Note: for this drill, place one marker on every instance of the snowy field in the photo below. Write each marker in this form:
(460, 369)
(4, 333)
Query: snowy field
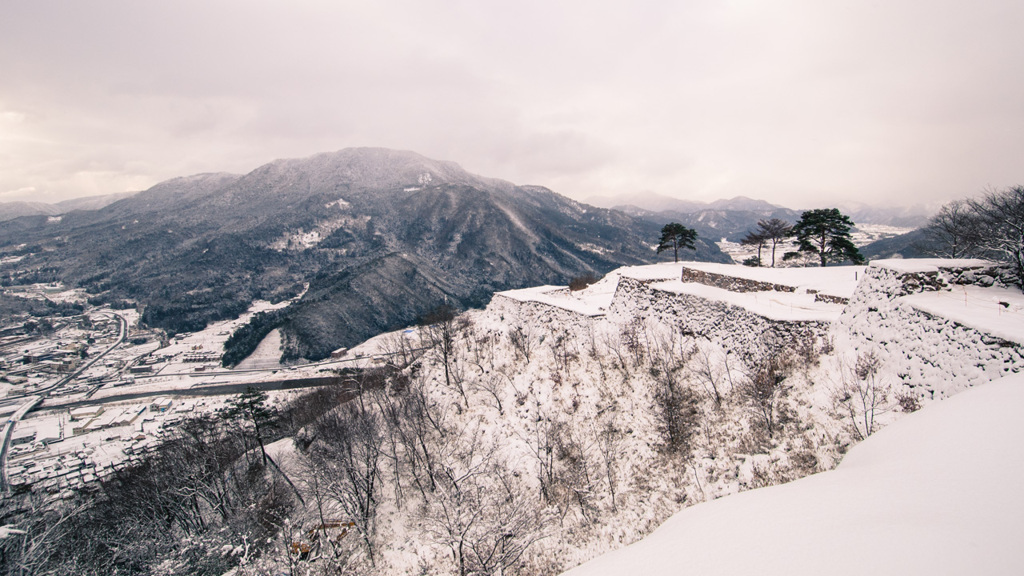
(935, 493)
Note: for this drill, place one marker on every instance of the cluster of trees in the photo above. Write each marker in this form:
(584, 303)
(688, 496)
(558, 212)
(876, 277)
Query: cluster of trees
(203, 502)
(245, 339)
(15, 306)
(990, 226)
(823, 234)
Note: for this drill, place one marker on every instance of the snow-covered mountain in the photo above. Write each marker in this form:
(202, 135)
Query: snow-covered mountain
(11, 210)
(380, 237)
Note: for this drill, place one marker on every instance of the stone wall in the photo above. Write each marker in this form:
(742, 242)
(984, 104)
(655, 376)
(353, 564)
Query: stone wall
(731, 283)
(934, 356)
(734, 328)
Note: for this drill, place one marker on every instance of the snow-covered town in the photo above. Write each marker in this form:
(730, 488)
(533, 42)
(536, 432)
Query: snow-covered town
(94, 392)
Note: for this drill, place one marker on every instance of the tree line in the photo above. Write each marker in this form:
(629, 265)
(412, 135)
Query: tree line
(990, 226)
(822, 234)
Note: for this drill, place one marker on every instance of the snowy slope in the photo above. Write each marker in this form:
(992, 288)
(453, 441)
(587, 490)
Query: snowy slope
(935, 493)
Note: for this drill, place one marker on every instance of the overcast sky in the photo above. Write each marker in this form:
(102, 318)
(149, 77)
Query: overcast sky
(799, 102)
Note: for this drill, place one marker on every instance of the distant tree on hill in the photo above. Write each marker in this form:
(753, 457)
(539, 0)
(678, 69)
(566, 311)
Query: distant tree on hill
(754, 238)
(675, 236)
(825, 233)
(775, 231)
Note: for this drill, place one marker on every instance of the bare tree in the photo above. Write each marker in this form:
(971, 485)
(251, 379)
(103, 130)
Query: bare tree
(956, 231)
(764, 389)
(479, 511)
(521, 337)
(707, 372)
(347, 454)
(754, 238)
(1002, 215)
(775, 231)
(442, 327)
(675, 403)
(862, 394)
(397, 348)
(609, 439)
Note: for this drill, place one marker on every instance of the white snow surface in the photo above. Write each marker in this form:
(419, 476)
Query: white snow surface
(929, 264)
(996, 311)
(267, 354)
(585, 302)
(934, 493)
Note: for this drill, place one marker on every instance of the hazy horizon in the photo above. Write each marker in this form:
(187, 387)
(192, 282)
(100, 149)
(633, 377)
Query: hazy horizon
(798, 103)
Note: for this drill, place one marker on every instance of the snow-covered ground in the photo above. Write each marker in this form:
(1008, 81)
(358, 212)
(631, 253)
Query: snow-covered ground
(267, 354)
(935, 493)
(996, 311)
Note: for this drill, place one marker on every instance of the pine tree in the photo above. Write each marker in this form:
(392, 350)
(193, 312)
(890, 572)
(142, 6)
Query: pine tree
(755, 238)
(826, 233)
(676, 236)
(775, 231)
(251, 407)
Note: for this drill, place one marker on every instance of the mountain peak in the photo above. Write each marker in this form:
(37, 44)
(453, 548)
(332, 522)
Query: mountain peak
(379, 168)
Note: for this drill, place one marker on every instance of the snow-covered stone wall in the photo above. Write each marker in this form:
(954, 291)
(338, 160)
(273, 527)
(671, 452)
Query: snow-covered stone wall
(932, 354)
(731, 283)
(732, 327)
(528, 313)
(911, 313)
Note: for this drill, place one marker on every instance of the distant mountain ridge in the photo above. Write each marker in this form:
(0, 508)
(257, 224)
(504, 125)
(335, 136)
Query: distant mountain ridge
(380, 237)
(735, 216)
(12, 210)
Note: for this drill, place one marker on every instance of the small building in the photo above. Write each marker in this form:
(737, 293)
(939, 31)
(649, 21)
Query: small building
(141, 369)
(86, 412)
(339, 353)
(161, 405)
(23, 436)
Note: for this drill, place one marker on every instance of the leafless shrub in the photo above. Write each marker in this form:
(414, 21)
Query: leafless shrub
(712, 375)
(764, 388)
(481, 512)
(522, 339)
(862, 394)
(908, 401)
(346, 456)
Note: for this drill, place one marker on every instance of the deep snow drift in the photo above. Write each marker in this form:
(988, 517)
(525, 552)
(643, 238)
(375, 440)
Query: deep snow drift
(936, 493)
